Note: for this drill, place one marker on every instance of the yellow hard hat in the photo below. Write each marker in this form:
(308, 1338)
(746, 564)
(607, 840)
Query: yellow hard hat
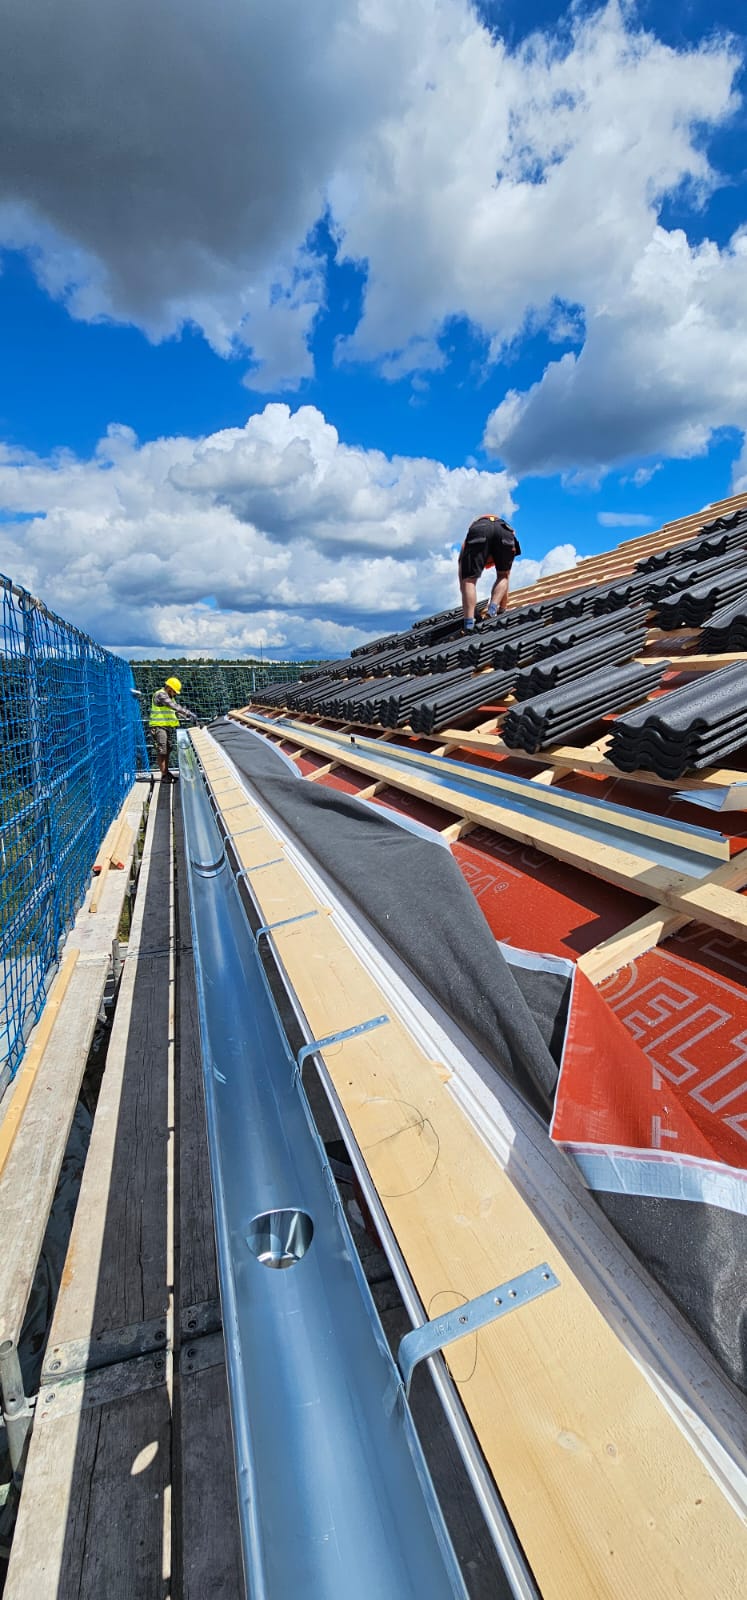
(175, 684)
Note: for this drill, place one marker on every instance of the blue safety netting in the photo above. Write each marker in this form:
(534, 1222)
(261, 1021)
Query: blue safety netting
(71, 743)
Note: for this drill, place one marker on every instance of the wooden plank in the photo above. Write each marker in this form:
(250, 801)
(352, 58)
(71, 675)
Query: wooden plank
(17, 1098)
(455, 830)
(31, 1171)
(648, 931)
(121, 855)
(608, 1497)
(94, 1516)
(694, 663)
(209, 1536)
(94, 935)
(321, 772)
(197, 1276)
(116, 1270)
(103, 854)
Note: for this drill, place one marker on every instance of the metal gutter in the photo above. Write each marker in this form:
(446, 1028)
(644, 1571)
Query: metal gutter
(334, 1493)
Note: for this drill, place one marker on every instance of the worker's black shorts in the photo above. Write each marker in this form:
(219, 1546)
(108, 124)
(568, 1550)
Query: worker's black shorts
(480, 548)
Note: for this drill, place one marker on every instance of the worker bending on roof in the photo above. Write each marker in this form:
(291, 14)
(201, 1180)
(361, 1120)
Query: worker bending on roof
(165, 712)
(490, 542)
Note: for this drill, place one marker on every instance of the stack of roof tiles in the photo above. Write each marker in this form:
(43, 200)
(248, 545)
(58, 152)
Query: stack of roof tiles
(446, 703)
(309, 697)
(548, 718)
(705, 547)
(727, 628)
(710, 585)
(274, 694)
(690, 728)
(589, 657)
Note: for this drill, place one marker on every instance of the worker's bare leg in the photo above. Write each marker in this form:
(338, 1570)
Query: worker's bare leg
(469, 597)
(499, 592)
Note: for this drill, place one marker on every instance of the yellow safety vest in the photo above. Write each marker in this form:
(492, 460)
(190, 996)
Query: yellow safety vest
(162, 716)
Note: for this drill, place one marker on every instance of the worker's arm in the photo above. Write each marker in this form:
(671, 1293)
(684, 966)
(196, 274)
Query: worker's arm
(163, 698)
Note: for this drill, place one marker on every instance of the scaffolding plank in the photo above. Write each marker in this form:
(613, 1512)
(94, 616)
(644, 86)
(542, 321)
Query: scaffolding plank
(25, 1078)
(116, 1268)
(31, 1171)
(211, 1552)
(94, 1514)
(198, 1275)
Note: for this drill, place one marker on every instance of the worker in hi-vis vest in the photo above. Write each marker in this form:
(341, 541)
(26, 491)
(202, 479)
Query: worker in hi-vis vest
(165, 712)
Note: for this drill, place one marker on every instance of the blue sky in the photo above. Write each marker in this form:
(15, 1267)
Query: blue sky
(472, 260)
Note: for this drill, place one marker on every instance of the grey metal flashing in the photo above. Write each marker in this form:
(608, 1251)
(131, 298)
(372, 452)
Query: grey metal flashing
(333, 1490)
(17, 1409)
(497, 1520)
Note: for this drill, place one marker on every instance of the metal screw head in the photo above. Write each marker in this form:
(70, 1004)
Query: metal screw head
(192, 1322)
(190, 1353)
(160, 1336)
(462, 1319)
(54, 1366)
(48, 1399)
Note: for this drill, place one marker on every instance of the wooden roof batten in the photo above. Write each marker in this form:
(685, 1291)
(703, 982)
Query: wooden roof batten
(620, 561)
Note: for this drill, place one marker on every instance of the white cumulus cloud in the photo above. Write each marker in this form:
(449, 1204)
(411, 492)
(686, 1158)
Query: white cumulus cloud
(560, 559)
(275, 534)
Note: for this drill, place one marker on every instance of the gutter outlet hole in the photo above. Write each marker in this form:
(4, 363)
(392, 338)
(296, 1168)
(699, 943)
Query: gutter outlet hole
(280, 1238)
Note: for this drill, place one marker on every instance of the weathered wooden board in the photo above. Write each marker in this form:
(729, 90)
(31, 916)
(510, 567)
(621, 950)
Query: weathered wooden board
(95, 1516)
(209, 1535)
(197, 1275)
(31, 1171)
(116, 1271)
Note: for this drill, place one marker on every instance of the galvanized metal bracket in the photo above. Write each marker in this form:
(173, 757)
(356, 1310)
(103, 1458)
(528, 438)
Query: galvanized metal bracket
(269, 927)
(335, 1038)
(474, 1314)
(245, 871)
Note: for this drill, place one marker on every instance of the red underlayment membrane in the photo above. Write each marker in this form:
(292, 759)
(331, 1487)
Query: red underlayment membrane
(645, 1084)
